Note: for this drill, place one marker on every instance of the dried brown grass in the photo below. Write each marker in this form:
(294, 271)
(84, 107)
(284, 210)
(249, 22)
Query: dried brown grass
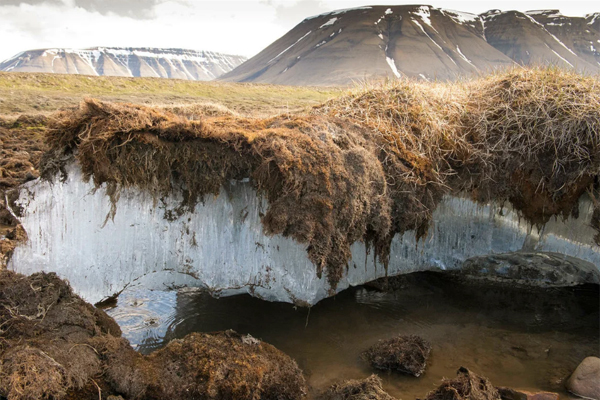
(531, 136)
(366, 389)
(196, 111)
(361, 167)
(29, 374)
(466, 386)
(21, 146)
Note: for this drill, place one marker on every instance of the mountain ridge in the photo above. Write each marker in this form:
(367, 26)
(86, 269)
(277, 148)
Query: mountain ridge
(125, 61)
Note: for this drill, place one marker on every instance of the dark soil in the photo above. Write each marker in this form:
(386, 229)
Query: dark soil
(596, 220)
(366, 389)
(466, 386)
(56, 346)
(407, 354)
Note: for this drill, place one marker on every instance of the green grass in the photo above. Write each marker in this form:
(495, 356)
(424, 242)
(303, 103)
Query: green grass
(27, 93)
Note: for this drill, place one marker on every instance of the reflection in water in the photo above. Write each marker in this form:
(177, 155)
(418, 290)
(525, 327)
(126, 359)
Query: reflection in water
(145, 316)
(520, 338)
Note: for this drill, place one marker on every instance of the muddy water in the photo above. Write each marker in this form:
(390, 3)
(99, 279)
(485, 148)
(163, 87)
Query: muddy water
(528, 339)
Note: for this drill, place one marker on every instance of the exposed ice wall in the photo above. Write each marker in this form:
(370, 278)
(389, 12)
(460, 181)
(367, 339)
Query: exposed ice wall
(221, 245)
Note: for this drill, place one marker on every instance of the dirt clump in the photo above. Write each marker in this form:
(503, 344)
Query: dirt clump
(404, 353)
(224, 365)
(45, 330)
(516, 394)
(10, 236)
(366, 389)
(466, 386)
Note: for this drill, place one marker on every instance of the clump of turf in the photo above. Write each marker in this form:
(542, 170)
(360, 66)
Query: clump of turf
(224, 365)
(45, 330)
(365, 389)
(466, 386)
(530, 136)
(540, 131)
(363, 167)
(406, 354)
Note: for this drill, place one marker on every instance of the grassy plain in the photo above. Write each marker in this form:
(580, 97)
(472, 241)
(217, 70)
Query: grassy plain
(28, 93)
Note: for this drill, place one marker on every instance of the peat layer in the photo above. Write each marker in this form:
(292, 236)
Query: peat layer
(365, 166)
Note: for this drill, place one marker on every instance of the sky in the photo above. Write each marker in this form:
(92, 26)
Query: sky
(241, 27)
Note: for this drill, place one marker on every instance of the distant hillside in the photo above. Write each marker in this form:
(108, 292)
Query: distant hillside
(131, 62)
(421, 41)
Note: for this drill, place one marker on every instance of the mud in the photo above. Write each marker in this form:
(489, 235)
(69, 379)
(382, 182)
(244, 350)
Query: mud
(530, 269)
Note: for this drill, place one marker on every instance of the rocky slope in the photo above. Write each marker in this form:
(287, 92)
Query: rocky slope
(113, 61)
(421, 41)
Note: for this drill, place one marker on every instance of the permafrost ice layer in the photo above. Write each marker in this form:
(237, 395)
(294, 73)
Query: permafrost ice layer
(221, 246)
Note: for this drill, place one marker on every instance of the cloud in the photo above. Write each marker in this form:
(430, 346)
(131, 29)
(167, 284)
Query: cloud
(138, 9)
(291, 13)
(30, 2)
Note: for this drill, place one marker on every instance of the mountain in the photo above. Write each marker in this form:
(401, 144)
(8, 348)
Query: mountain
(545, 37)
(421, 41)
(115, 61)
